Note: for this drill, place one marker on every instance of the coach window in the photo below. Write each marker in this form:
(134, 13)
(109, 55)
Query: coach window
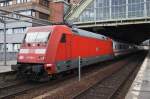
(63, 38)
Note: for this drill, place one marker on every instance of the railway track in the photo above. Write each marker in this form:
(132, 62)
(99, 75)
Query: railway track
(110, 86)
(7, 76)
(20, 87)
(29, 90)
(9, 84)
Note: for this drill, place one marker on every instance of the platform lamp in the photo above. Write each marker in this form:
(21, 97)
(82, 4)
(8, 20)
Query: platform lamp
(4, 22)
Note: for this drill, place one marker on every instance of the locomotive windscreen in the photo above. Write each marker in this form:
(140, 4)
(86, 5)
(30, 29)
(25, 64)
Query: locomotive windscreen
(37, 37)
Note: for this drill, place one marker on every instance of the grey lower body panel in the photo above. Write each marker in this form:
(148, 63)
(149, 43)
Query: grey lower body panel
(72, 64)
(120, 53)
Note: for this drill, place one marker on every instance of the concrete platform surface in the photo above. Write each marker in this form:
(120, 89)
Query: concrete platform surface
(6, 68)
(140, 89)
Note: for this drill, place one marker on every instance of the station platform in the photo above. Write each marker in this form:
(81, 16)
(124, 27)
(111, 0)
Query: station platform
(140, 88)
(6, 68)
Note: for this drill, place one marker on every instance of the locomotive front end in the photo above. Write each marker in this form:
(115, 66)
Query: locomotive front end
(31, 57)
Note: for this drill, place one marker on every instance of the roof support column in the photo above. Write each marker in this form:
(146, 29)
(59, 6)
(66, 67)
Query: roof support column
(126, 8)
(2, 20)
(145, 9)
(110, 3)
(95, 11)
(5, 46)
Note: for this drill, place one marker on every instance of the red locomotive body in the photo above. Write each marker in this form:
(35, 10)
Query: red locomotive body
(54, 49)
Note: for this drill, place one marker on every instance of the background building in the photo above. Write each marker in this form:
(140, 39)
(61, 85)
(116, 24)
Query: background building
(52, 10)
(58, 9)
(16, 29)
(107, 10)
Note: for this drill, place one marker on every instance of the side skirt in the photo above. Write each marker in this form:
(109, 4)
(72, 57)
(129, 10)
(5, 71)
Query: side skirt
(72, 64)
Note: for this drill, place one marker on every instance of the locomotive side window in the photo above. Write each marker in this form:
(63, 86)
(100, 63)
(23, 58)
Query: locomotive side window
(63, 38)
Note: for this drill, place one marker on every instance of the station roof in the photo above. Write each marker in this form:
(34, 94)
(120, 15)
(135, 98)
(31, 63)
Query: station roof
(135, 33)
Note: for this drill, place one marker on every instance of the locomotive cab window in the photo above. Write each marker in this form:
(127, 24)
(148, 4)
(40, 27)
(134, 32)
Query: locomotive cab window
(63, 38)
(37, 37)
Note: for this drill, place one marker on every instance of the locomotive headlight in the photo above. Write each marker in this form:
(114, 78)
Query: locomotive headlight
(48, 65)
(49, 68)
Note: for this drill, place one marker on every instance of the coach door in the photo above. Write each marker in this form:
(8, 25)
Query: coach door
(67, 42)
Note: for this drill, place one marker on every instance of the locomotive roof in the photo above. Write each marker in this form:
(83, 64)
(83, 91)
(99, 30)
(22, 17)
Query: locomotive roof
(89, 34)
(75, 30)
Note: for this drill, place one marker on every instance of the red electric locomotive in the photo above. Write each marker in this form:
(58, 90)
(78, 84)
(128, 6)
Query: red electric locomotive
(49, 50)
